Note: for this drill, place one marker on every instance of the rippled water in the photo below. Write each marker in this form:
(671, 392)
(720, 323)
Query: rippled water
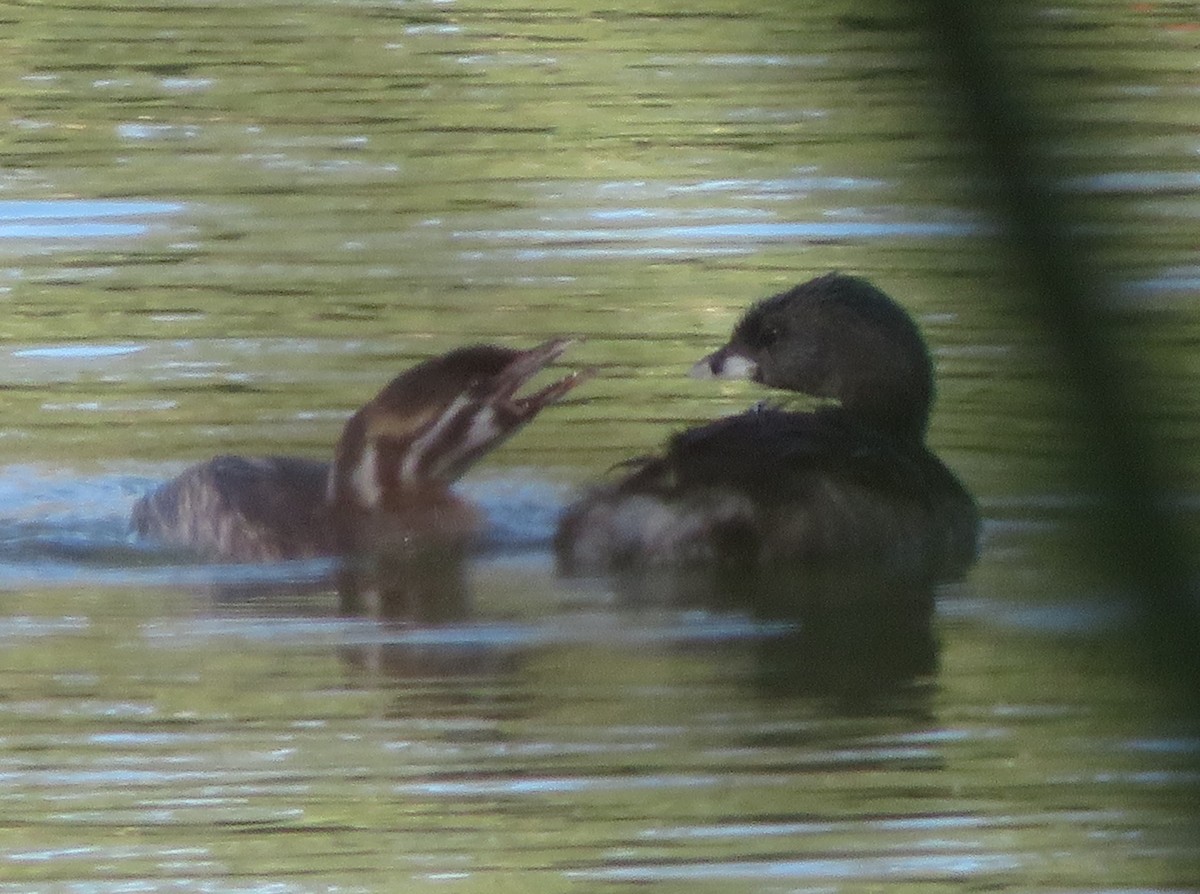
(223, 226)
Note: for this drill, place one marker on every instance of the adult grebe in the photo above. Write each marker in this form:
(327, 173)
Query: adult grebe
(850, 483)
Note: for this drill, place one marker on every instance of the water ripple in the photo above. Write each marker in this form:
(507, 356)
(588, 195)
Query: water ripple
(81, 219)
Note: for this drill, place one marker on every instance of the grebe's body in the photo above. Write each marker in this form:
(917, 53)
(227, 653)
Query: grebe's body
(847, 484)
(390, 482)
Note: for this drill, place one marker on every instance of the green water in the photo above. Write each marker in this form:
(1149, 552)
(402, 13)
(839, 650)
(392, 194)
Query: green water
(224, 225)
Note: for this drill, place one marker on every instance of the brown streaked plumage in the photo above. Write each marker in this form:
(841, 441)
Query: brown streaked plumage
(851, 483)
(390, 480)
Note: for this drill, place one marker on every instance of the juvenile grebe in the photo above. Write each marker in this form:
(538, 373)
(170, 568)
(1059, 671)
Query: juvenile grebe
(391, 475)
(850, 483)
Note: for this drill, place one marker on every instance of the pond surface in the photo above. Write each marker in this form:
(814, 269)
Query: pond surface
(224, 225)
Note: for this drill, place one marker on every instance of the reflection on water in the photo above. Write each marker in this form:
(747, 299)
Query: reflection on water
(824, 728)
(717, 238)
(225, 226)
(70, 220)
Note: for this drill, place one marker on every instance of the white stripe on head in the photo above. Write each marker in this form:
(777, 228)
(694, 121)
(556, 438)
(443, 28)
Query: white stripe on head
(484, 430)
(414, 457)
(364, 480)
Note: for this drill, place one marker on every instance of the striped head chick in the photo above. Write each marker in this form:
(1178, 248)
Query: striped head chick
(399, 454)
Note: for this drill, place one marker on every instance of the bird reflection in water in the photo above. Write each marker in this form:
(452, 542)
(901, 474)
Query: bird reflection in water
(857, 637)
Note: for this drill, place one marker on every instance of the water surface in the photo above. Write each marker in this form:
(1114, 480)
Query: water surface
(223, 226)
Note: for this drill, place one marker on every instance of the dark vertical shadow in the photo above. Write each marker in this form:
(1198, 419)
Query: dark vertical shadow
(413, 583)
(993, 102)
(858, 636)
(861, 637)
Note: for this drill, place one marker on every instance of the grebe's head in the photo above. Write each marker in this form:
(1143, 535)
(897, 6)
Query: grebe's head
(839, 337)
(431, 423)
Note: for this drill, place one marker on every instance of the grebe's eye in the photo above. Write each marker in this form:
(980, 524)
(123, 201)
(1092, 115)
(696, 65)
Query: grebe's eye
(768, 335)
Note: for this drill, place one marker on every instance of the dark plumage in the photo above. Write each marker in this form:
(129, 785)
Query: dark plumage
(847, 483)
(245, 509)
